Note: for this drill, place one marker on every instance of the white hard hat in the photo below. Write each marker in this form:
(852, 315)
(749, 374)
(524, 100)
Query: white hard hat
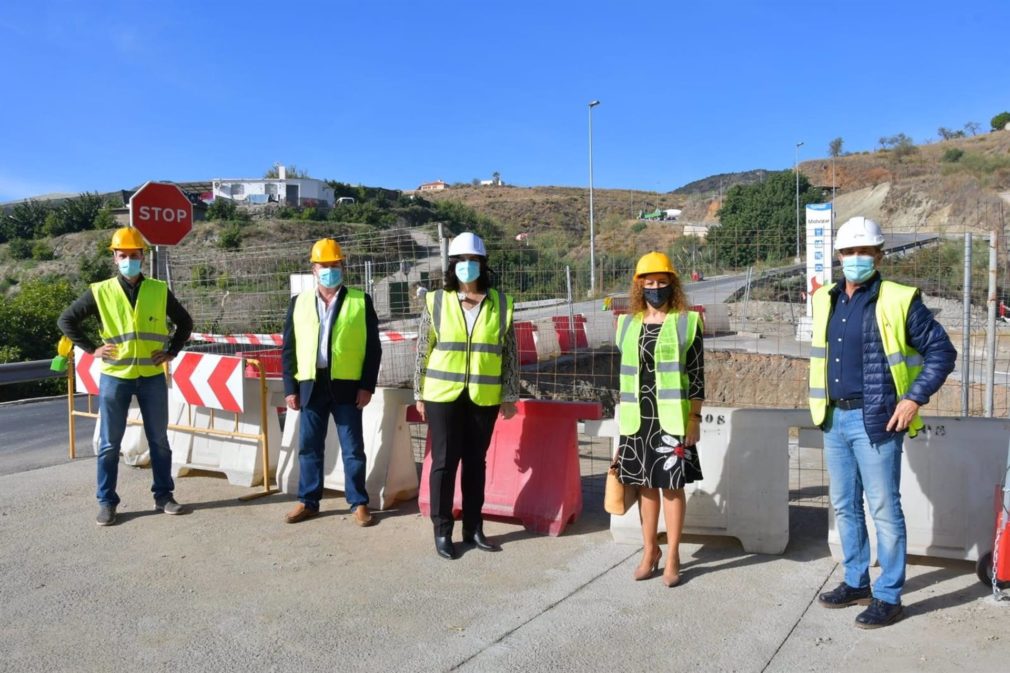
(467, 243)
(858, 232)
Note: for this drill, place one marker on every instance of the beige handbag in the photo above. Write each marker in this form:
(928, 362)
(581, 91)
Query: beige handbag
(618, 497)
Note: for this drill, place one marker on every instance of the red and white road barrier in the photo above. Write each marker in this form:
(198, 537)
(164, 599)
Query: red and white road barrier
(87, 372)
(278, 339)
(213, 381)
(252, 339)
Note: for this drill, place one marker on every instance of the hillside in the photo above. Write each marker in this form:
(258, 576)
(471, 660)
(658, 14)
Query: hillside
(954, 185)
(559, 216)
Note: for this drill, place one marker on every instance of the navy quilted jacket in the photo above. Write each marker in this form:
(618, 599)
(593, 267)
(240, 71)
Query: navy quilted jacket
(925, 335)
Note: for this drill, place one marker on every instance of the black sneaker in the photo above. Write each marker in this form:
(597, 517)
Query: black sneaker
(843, 596)
(880, 613)
(169, 506)
(106, 515)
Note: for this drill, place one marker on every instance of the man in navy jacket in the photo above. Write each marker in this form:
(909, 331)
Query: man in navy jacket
(877, 355)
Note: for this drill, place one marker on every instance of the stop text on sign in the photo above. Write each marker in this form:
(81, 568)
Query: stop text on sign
(163, 214)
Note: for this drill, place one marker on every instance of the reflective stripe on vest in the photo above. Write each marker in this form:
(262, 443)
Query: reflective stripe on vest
(137, 331)
(891, 312)
(675, 338)
(456, 361)
(347, 338)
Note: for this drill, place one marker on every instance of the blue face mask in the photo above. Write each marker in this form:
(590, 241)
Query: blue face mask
(331, 277)
(857, 268)
(467, 271)
(129, 267)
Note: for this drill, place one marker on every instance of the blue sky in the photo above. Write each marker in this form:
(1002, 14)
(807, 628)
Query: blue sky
(106, 95)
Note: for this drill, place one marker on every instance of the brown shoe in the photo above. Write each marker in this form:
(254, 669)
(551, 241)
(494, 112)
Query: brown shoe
(301, 513)
(362, 516)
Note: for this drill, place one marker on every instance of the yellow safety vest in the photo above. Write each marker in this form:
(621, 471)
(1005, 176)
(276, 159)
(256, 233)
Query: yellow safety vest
(457, 360)
(347, 339)
(905, 362)
(137, 331)
(675, 338)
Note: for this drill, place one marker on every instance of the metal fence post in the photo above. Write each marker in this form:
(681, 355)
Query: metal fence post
(966, 327)
(990, 333)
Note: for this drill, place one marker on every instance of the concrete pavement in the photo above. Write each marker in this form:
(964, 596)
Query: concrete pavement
(231, 587)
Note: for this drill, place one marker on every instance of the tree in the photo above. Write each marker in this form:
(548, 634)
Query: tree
(290, 172)
(947, 134)
(25, 220)
(903, 146)
(758, 222)
(835, 147)
(972, 127)
(1000, 121)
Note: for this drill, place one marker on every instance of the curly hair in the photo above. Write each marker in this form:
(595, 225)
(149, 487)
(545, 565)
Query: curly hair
(676, 302)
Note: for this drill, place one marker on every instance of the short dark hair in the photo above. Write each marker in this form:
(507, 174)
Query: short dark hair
(452, 283)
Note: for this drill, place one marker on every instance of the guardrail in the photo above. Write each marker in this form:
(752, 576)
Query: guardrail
(23, 372)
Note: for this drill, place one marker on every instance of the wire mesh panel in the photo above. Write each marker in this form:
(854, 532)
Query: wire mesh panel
(565, 337)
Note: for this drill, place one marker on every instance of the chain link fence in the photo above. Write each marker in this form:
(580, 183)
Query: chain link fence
(565, 336)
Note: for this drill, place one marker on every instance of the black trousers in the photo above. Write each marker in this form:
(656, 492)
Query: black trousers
(460, 431)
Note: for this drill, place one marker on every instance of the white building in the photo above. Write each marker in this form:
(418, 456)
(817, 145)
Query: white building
(282, 189)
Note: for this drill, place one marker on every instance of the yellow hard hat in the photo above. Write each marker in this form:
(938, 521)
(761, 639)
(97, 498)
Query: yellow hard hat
(127, 238)
(654, 262)
(326, 250)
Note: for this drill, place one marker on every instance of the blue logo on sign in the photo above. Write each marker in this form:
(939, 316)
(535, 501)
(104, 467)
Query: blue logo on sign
(818, 232)
(818, 267)
(819, 254)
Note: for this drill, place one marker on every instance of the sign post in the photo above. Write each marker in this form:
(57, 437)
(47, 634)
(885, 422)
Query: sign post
(820, 218)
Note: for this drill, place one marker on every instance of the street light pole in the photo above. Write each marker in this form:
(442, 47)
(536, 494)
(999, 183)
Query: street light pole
(592, 227)
(796, 170)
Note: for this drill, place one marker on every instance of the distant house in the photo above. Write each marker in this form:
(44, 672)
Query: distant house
(436, 186)
(282, 189)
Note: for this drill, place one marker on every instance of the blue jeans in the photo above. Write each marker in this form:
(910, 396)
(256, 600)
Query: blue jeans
(114, 395)
(857, 466)
(312, 435)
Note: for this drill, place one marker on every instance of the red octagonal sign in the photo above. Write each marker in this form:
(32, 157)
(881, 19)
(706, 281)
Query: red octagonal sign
(161, 212)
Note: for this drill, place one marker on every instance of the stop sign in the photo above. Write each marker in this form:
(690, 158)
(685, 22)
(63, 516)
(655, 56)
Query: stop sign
(161, 212)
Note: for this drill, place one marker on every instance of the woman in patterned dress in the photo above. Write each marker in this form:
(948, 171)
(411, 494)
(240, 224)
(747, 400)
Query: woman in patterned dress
(662, 390)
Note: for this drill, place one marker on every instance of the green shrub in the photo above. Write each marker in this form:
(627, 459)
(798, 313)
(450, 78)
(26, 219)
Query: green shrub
(105, 219)
(230, 237)
(222, 209)
(952, 155)
(42, 251)
(638, 227)
(95, 267)
(20, 248)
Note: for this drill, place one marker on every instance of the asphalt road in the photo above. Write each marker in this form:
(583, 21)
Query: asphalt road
(35, 434)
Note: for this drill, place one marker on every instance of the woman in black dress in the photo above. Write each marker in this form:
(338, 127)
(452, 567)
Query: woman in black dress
(662, 390)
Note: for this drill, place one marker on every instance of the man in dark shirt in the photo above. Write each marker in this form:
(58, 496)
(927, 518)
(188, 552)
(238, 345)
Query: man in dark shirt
(134, 312)
(877, 355)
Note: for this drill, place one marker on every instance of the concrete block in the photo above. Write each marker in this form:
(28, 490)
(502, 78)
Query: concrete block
(947, 477)
(390, 470)
(239, 459)
(745, 492)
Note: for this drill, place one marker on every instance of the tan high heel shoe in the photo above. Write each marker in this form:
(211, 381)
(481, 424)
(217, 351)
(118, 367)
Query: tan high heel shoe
(645, 573)
(671, 578)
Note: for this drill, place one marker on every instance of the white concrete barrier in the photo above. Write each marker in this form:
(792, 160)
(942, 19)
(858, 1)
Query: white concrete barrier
(390, 470)
(546, 339)
(239, 459)
(745, 491)
(947, 477)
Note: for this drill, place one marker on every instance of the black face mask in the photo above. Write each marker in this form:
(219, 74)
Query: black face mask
(657, 296)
